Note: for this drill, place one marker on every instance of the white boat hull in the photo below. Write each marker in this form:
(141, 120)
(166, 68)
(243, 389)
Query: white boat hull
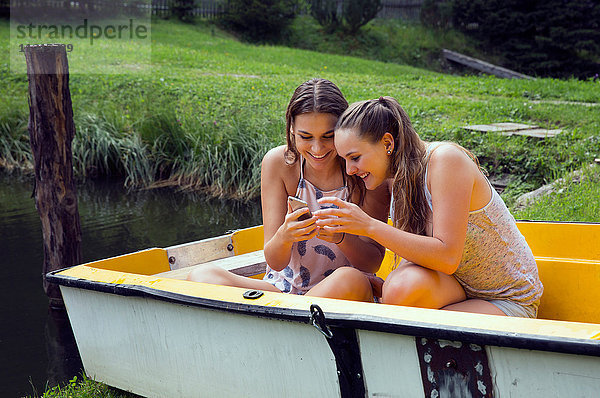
(159, 348)
(142, 331)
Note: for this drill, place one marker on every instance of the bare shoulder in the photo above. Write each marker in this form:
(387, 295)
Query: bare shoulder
(274, 168)
(448, 157)
(274, 163)
(274, 157)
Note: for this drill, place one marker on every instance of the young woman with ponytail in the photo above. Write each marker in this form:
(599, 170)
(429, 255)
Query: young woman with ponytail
(460, 247)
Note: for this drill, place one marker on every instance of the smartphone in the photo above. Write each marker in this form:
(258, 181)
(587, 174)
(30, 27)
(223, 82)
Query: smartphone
(298, 204)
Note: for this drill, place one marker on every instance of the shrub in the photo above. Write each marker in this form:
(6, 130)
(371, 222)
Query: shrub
(358, 13)
(259, 20)
(325, 12)
(353, 13)
(436, 14)
(183, 9)
(549, 38)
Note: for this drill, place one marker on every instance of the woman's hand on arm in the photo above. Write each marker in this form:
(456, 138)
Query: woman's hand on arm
(347, 217)
(362, 252)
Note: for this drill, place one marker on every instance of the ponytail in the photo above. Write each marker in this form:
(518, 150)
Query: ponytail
(371, 120)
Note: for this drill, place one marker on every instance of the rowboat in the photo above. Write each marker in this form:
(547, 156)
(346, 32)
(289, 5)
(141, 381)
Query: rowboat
(139, 326)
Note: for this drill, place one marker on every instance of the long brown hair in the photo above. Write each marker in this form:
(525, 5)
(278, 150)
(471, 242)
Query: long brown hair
(320, 96)
(315, 95)
(371, 120)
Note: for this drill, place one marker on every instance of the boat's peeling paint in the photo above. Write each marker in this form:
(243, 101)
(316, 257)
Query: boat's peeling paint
(454, 369)
(475, 347)
(446, 343)
(479, 368)
(481, 387)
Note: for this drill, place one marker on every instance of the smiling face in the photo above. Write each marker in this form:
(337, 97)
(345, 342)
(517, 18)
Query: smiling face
(368, 160)
(313, 133)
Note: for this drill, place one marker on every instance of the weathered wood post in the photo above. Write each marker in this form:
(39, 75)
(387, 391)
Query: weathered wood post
(51, 131)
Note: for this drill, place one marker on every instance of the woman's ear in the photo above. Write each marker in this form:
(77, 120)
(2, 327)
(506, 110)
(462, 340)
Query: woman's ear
(388, 143)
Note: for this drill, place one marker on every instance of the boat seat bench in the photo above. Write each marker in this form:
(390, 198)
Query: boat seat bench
(249, 264)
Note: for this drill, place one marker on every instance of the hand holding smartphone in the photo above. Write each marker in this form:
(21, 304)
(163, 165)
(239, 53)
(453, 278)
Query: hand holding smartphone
(296, 204)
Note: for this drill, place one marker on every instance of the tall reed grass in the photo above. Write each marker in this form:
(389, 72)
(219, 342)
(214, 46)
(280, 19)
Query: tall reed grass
(156, 151)
(15, 150)
(102, 149)
(221, 160)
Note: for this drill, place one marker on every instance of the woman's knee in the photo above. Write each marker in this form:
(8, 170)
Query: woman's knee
(408, 285)
(345, 283)
(353, 283)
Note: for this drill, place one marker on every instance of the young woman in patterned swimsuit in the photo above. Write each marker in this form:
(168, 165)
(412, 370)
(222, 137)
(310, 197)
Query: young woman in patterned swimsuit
(302, 258)
(460, 246)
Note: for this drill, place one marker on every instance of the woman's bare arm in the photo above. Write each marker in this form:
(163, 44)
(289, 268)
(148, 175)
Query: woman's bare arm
(281, 228)
(451, 177)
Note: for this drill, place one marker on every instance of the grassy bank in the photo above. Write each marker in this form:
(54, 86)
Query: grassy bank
(572, 200)
(205, 110)
(83, 388)
(386, 40)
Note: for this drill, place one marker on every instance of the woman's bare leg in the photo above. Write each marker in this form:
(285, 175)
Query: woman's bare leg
(219, 276)
(344, 283)
(416, 286)
(475, 305)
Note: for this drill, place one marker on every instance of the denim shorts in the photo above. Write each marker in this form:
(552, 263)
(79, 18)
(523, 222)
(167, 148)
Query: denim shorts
(512, 308)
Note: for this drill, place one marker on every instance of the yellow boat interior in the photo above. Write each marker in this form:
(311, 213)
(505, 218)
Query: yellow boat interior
(567, 254)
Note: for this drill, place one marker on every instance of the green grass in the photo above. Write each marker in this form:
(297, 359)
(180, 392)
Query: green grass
(202, 116)
(387, 40)
(571, 201)
(83, 388)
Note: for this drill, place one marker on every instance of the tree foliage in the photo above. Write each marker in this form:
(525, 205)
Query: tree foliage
(183, 9)
(325, 12)
(358, 13)
(543, 37)
(259, 20)
(352, 15)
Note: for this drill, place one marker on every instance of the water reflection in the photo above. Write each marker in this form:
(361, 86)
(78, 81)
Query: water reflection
(35, 346)
(63, 357)
(115, 222)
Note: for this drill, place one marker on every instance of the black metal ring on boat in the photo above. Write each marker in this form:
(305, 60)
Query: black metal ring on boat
(317, 318)
(253, 294)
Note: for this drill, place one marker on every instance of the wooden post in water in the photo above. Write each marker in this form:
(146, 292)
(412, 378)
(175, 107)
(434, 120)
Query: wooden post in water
(51, 131)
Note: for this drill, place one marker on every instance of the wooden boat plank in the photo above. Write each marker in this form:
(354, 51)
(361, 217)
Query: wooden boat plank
(529, 373)
(143, 262)
(382, 351)
(580, 278)
(249, 264)
(193, 253)
(248, 239)
(562, 240)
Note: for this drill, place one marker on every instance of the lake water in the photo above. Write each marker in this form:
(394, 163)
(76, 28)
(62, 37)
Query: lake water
(36, 344)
